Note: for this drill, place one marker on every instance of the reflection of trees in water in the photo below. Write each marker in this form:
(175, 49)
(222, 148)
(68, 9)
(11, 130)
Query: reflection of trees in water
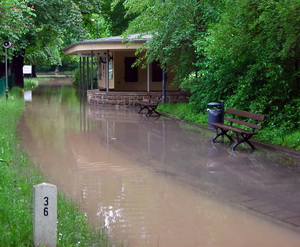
(56, 110)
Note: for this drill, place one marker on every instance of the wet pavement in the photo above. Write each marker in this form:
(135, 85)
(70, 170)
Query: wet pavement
(160, 182)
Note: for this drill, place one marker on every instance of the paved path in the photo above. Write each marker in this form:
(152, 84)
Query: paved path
(272, 190)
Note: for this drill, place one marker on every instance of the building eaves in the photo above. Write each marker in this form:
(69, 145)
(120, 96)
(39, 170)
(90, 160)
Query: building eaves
(135, 38)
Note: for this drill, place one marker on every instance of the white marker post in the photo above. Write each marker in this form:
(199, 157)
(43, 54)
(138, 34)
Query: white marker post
(45, 215)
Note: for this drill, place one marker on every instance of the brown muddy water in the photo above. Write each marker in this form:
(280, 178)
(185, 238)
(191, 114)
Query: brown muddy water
(156, 181)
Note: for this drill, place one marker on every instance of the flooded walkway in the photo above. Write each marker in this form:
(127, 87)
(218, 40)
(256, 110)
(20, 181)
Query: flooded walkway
(160, 182)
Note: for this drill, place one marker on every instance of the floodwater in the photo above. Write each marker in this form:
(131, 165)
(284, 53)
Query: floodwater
(157, 181)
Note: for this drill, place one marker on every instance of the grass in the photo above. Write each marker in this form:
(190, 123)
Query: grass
(183, 111)
(30, 84)
(17, 177)
(273, 135)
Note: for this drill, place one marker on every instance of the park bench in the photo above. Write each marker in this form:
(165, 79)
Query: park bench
(150, 103)
(239, 123)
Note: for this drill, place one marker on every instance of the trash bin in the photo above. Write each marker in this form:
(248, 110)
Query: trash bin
(215, 113)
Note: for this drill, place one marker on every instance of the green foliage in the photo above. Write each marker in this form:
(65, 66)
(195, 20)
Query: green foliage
(76, 81)
(252, 60)
(245, 52)
(183, 111)
(56, 22)
(15, 204)
(39, 29)
(16, 20)
(68, 65)
(96, 26)
(30, 84)
(280, 136)
(175, 27)
(115, 15)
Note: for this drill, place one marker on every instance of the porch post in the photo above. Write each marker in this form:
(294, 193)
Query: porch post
(87, 72)
(80, 72)
(107, 71)
(148, 77)
(92, 70)
(86, 77)
(83, 72)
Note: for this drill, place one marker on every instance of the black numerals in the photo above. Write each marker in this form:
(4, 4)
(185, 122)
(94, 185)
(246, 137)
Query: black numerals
(46, 203)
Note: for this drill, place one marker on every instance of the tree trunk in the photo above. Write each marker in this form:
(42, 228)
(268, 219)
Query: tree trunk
(57, 68)
(17, 69)
(33, 74)
(2, 70)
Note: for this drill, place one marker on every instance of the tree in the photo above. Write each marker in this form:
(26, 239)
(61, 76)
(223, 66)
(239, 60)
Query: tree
(243, 51)
(40, 29)
(252, 59)
(175, 27)
(115, 15)
(57, 22)
(15, 22)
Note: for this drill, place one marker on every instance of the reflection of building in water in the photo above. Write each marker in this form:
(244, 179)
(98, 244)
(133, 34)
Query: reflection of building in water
(127, 129)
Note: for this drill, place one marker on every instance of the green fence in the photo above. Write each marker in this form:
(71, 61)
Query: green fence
(11, 83)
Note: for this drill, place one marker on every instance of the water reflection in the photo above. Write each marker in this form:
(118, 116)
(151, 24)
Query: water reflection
(154, 181)
(176, 148)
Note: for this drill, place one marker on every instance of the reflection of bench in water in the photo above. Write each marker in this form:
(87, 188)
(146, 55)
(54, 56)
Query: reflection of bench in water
(242, 135)
(150, 103)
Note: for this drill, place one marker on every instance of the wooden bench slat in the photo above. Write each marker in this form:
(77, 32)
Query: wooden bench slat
(147, 103)
(231, 128)
(246, 114)
(251, 125)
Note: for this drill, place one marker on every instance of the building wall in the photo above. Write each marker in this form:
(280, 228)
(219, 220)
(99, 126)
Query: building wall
(117, 82)
(127, 98)
(119, 69)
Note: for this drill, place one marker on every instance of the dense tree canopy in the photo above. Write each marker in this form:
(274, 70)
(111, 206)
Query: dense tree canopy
(56, 22)
(252, 59)
(245, 52)
(38, 29)
(175, 27)
(16, 20)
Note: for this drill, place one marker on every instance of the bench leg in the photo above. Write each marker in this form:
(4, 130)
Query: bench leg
(245, 139)
(142, 108)
(222, 133)
(152, 109)
(149, 113)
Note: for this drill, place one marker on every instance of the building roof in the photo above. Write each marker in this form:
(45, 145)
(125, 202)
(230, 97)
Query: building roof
(89, 47)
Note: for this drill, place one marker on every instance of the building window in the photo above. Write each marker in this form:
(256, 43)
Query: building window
(131, 73)
(156, 72)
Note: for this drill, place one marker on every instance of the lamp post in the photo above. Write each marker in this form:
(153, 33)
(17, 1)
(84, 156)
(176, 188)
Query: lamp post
(6, 45)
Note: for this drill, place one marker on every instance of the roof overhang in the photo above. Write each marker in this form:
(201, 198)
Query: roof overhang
(96, 47)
